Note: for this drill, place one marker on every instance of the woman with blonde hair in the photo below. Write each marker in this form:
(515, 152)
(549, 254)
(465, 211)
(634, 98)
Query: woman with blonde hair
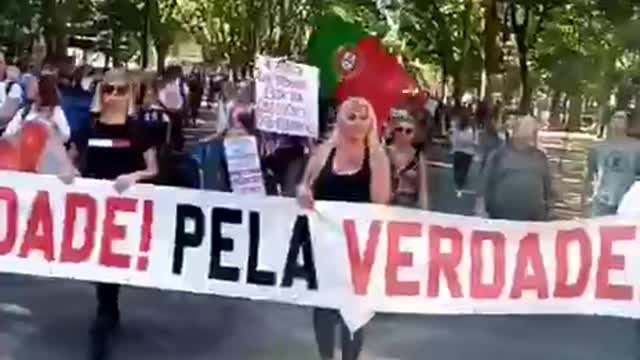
(408, 164)
(352, 166)
(121, 149)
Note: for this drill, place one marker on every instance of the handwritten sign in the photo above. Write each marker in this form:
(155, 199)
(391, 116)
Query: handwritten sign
(286, 97)
(243, 162)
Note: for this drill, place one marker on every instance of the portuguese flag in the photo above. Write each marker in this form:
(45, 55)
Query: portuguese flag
(353, 63)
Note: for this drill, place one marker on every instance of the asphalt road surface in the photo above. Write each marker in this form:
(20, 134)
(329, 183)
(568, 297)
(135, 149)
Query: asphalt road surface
(43, 319)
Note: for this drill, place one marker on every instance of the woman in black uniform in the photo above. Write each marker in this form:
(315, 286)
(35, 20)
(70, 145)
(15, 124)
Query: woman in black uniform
(352, 166)
(121, 149)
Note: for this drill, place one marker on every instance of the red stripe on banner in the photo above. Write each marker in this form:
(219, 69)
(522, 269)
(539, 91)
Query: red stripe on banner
(145, 241)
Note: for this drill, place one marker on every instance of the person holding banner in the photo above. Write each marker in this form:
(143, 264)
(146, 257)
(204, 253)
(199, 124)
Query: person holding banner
(120, 149)
(352, 166)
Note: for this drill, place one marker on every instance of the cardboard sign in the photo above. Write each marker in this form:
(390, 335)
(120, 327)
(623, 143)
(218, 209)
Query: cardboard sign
(286, 97)
(243, 163)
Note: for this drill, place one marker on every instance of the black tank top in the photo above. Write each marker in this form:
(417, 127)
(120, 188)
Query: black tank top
(354, 187)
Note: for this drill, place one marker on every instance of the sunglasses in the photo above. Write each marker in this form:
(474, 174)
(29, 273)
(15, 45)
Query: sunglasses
(119, 90)
(405, 130)
(354, 116)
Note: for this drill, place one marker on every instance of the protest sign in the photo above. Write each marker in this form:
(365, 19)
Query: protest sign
(357, 258)
(286, 97)
(243, 163)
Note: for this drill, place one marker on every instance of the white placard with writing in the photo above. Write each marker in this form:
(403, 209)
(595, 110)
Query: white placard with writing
(286, 97)
(243, 163)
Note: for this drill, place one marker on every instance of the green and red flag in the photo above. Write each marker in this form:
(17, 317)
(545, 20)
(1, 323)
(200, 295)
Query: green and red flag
(331, 37)
(355, 64)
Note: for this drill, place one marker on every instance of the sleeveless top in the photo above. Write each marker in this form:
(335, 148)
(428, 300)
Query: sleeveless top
(405, 182)
(354, 187)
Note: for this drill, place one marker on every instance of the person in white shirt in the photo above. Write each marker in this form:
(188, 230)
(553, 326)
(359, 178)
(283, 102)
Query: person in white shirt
(463, 147)
(46, 108)
(10, 92)
(173, 94)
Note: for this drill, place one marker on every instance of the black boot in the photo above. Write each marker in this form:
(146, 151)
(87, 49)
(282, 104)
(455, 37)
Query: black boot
(106, 323)
(103, 330)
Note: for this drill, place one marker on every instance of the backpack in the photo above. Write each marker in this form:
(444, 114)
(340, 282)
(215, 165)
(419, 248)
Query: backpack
(10, 84)
(176, 167)
(23, 92)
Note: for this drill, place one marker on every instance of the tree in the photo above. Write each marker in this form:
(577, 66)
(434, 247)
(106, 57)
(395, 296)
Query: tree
(235, 31)
(491, 47)
(447, 33)
(163, 26)
(527, 19)
(16, 26)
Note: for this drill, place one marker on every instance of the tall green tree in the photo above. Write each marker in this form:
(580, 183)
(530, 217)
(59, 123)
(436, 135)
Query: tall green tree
(447, 33)
(527, 20)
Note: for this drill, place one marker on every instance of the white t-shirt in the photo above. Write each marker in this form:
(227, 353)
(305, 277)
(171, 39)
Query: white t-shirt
(172, 96)
(58, 121)
(15, 92)
(463, 141)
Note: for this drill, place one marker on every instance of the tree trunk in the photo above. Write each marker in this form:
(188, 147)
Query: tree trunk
(525, 99)
(145, 34)
(624, 97)
(603, 115)
(115, 50)
(458, 87)
(575, 113)
(491, 47)
(54, 30)
(49, 8)
(445, 76)
(634, 125)
(162, 51)
(521, 29)
(61, 44)
(555, 122)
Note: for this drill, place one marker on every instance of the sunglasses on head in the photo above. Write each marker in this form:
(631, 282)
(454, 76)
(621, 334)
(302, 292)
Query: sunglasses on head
(406, 130)
(120, 90)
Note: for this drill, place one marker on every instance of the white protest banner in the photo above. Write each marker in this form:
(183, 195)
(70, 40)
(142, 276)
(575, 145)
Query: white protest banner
(286, 97)
(630, 203)
(243, 163)
(353, 257)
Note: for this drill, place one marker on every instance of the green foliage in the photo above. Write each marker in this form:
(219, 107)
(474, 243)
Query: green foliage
(586, 48)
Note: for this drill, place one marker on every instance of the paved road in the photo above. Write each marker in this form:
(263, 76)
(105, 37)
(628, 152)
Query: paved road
(44, 319)
(161, 326)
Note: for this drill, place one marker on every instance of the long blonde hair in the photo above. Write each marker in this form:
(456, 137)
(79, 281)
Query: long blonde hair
(372, 139)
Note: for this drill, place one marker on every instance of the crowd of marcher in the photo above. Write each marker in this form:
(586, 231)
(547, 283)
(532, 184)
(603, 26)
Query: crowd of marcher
(128, 127)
